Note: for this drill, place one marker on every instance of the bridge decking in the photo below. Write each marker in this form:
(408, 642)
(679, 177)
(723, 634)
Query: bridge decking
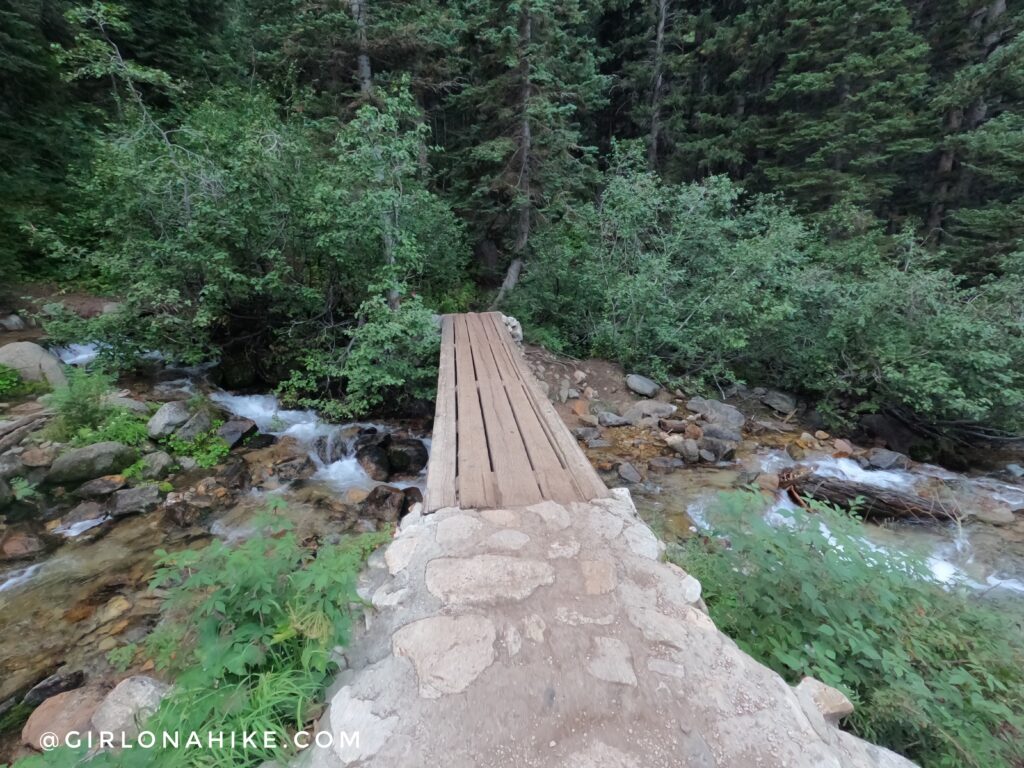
(498, 441)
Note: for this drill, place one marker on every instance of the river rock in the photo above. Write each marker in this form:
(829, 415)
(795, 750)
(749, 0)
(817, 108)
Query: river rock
(609, 419)
(779, 401)
(168, 418)
(6, 494)
(586, 433)
(157, 465)
(716, 412)
(62, 714)
(199, 423)
(19, 544)
(126, 403)
(234, 431)
(133, 501)
(720, 432)
(373, 459)
(60, 681)
(33, 363)
(642, 385)
(664, 464)
(1015, 470)
(842, 448)
(78, 464)
(11, 466)
(628, 472)
(87, 510)
(12, 322)
(129, 705)
(648, 408)
(101, 486)
(883, 458)
(685, 447)
(38, 456)
(407, 455)
(716, 448)
(385, 503)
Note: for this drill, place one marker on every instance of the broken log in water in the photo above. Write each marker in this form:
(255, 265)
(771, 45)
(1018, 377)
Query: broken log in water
(872, 501)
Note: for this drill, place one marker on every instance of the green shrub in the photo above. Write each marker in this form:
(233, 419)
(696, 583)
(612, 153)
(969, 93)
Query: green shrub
(12, 385)
(934, 673)
(119, 424)
(207, 449)
(80, 404)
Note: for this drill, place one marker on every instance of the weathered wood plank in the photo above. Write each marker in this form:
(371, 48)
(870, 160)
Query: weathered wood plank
(441, 488)
(475, 475)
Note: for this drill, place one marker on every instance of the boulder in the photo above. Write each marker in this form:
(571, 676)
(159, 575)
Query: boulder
(38, 456)
(373, 459)
(407, 455)
(830, 702)
(60, 681)
(11, 466)
(716, 412)
(385, 503)
(129, 705)
(718, 449)
(842, 448)
(170, 416)
(126, 403)
(20, 544)
(87, 510)
(628, 472)
(891, 431)
(79, 464)
(33, 363)
(586, 433)
(779, 401)
(719, 432)
(199, 423)
(6, 494)
(609, 419)
(157, 465)
(234, 431)
(61, 714)
(1015, 470)
(648, 408)
(133, 501)
(597, 442)
(664, 464)
(642, 385)
(101, 486)
(12, 322)
(882, 458)
(685, 447)
(515, 328)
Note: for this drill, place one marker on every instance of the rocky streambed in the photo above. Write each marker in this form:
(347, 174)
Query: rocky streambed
(78, 537)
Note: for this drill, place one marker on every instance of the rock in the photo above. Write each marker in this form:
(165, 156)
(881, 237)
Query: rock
(11, 466)
(157, 465)
(38, 457)
(515, 329)
(12, 322)
(233, 431)
(882, 458)
(821, 435)
(581, 407)
(995, 515)
(589, 420)
(779, 401)
(385, 503)
(664, 464)
(891, 431)
(87, 510)
(579, 376)
(61, 714)
(199, 423)
(79, 464)
(642, 385)
(170, 416)
(628, 472)
(60, 681)
(648, 408)
(674, 425)
(685, 447)
(129, 705)
(134, 501)
(609, 419)
(831, 703)
(6, 494)
(719, 432)
(598, 442)
(718, 449)
(795, 452)
(842, 448)
(19, 544)
(447, 652)
(33, 363)
(715, 412)
(101, 486)
(1016, 470)
(126, 403)
(768, 481)
(407, 455)
(374, 461)
(806, 440)
(586, 433)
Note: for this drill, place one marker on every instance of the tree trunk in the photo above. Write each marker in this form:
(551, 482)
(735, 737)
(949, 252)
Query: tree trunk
(875, 502)
(363, 72)
(657, 81)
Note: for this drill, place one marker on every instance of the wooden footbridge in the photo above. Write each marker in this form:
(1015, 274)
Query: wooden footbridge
(498, 441)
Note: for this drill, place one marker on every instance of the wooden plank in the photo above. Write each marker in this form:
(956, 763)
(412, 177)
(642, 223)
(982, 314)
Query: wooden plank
(553, 478)
(475, 477)
(583, 474)
(441, 489)
(514, 476)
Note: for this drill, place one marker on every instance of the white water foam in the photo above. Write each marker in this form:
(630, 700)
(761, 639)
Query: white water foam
(19, 576)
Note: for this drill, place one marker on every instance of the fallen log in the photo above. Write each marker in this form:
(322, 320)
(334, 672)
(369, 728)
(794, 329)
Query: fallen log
(871, 501)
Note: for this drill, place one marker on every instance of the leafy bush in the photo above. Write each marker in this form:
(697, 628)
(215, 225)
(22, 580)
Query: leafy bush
(248, 632)
(119, 425)
(934, 674)
(10, 381)
(79, 405)
(207, 449)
